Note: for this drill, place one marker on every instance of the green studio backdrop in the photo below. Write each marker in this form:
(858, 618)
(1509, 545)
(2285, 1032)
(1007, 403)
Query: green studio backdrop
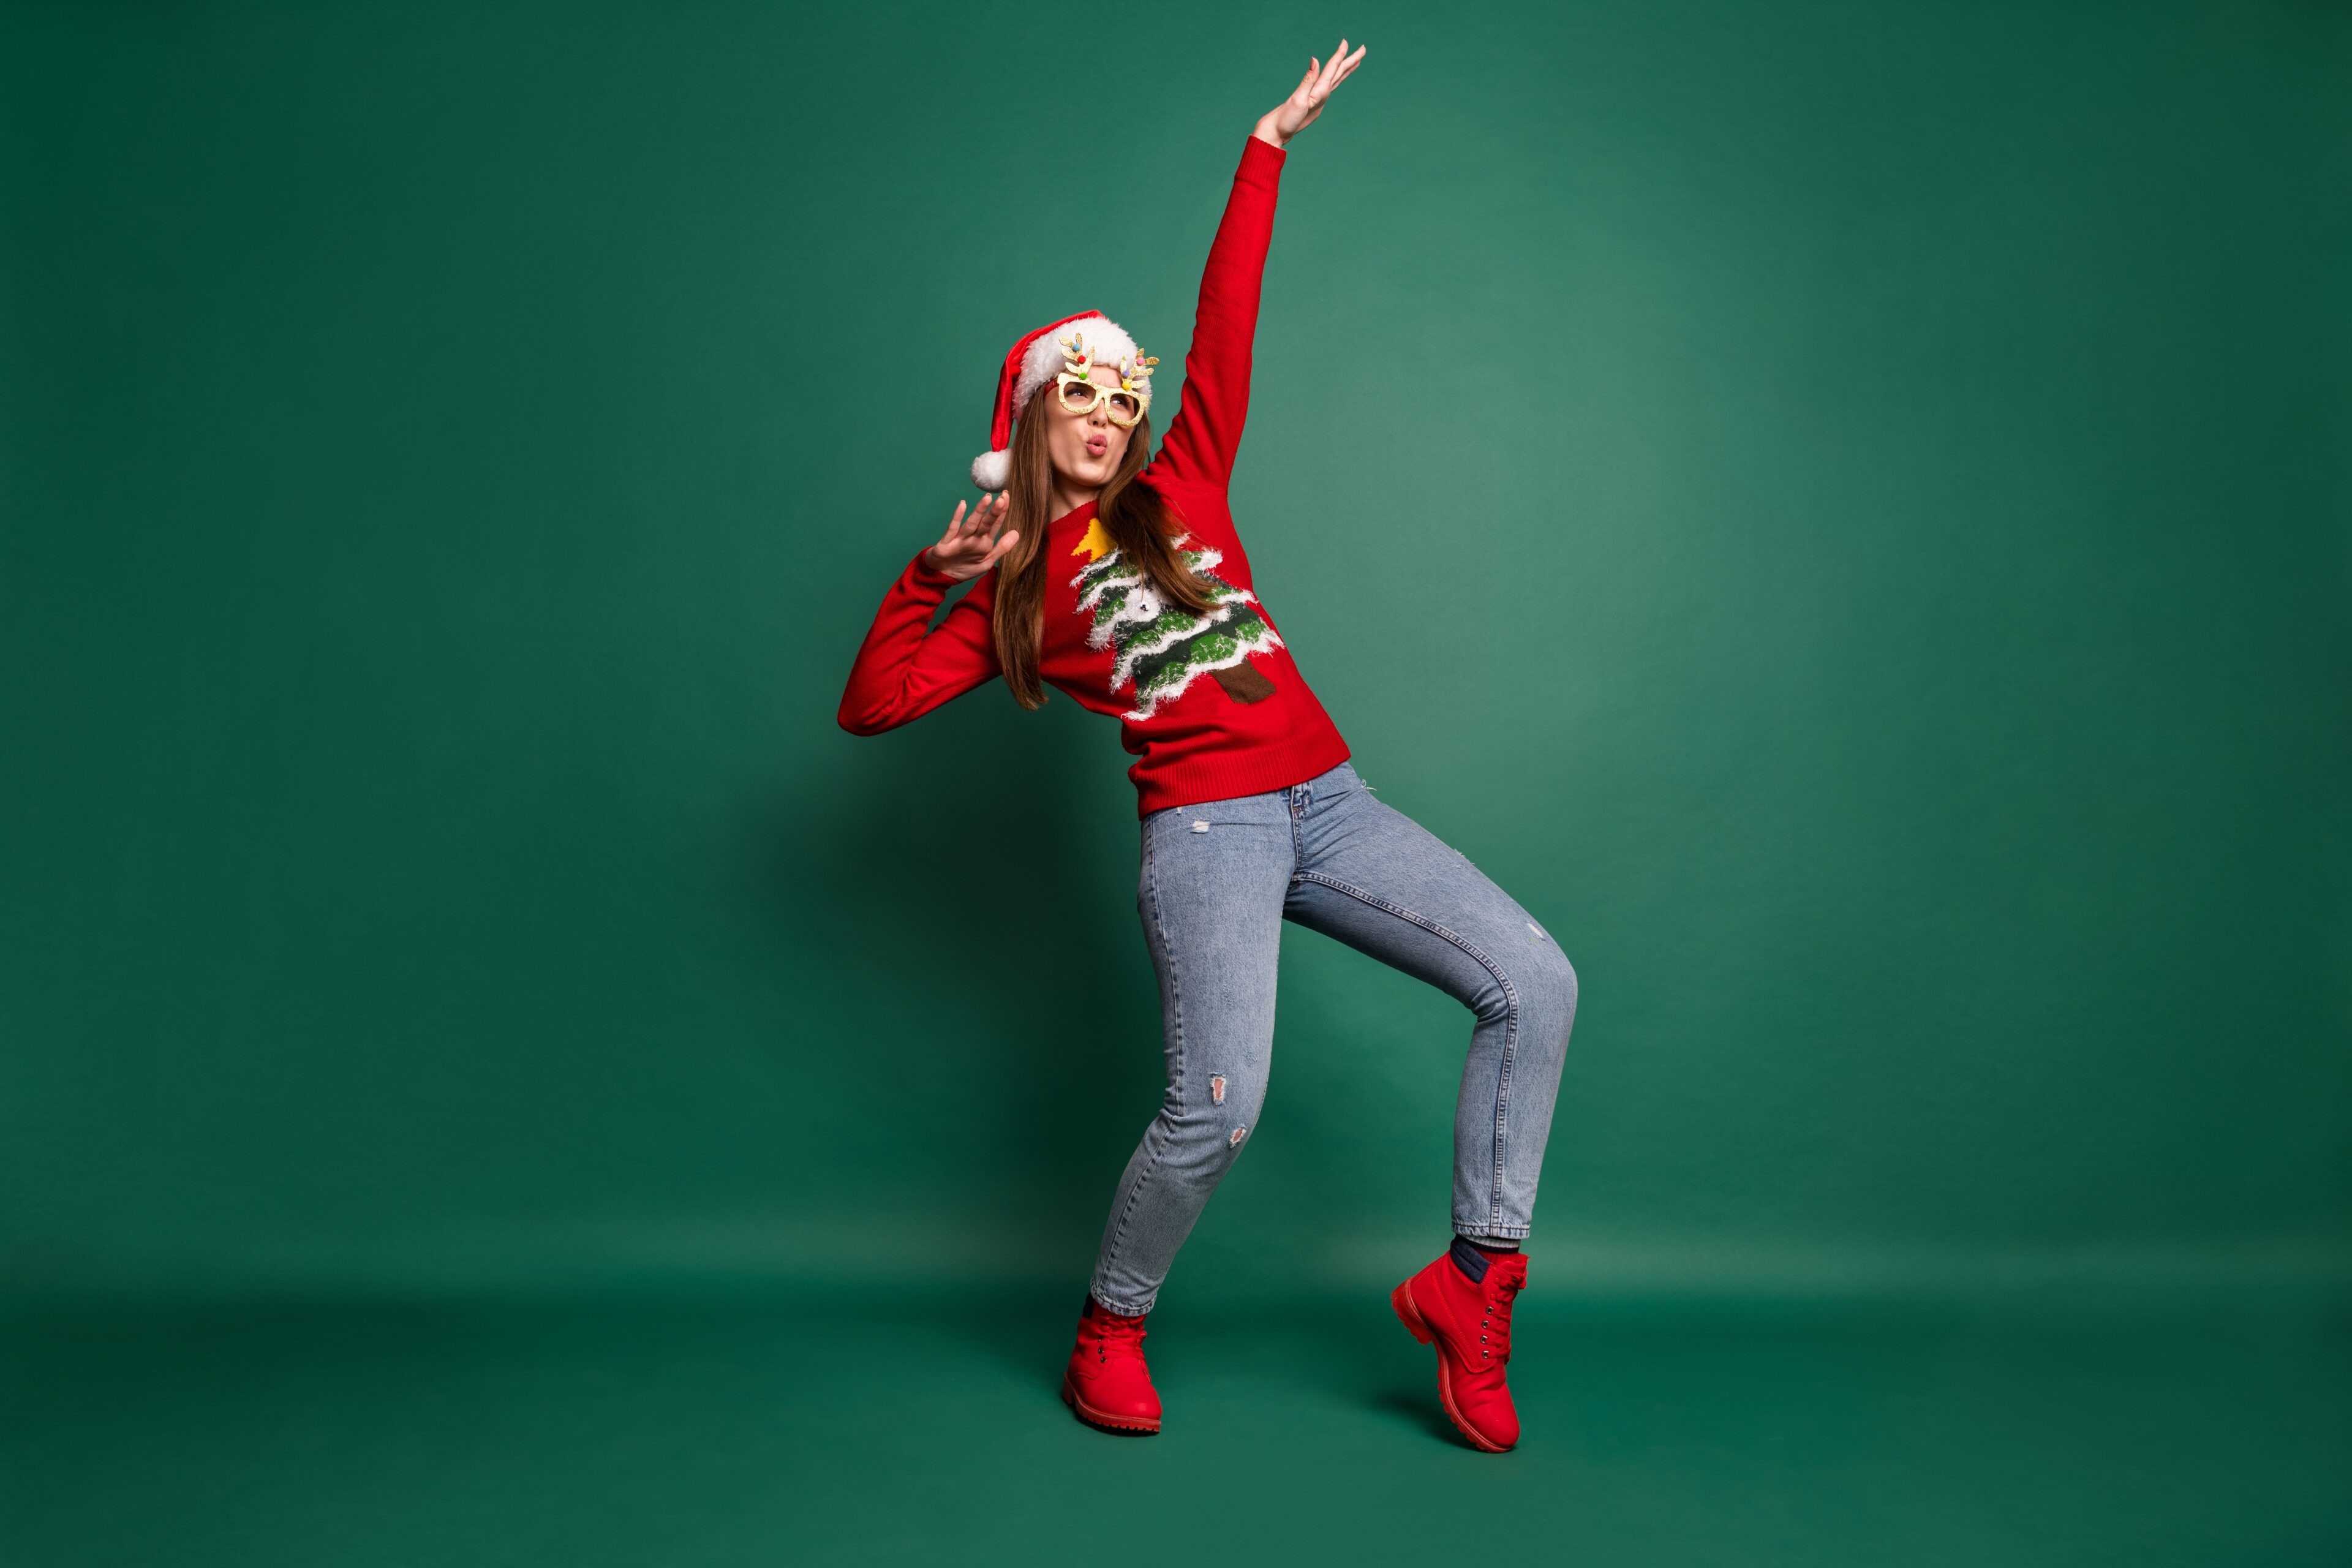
(1840, 509)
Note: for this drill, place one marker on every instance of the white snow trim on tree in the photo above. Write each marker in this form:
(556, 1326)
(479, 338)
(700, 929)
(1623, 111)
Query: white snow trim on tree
(1044, 361)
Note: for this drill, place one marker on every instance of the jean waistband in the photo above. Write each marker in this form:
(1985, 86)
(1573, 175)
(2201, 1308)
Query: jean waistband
(1294, 799)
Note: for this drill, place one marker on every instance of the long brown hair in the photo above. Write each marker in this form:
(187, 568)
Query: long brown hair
(1139, 522)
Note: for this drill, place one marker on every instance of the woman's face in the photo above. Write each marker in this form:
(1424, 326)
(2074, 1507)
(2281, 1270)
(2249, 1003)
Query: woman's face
(1086, 449)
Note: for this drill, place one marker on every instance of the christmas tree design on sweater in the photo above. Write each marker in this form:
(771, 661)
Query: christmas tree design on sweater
(1160, 646)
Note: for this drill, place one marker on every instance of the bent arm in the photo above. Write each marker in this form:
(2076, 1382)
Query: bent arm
(902, 672)
(1207, 428)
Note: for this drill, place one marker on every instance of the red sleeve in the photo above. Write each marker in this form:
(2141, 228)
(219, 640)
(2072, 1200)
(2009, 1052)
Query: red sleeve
(1208, 425)
(902, 673)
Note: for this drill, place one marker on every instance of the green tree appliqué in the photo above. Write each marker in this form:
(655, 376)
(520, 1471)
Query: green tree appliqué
(1161, 647)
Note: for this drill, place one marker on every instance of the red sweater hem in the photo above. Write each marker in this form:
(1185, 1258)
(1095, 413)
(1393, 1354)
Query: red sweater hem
(1224, 775)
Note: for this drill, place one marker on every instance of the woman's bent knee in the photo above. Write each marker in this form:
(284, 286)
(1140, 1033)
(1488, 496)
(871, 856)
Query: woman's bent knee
(1546, 981)
(1209, 1128)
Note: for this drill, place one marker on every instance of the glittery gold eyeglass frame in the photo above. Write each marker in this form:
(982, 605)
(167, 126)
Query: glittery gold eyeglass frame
(1134, 382)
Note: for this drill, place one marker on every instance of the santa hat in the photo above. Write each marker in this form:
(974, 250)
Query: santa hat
(1036, 360)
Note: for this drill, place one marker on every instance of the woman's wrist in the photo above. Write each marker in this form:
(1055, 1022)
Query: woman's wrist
(1266, 133)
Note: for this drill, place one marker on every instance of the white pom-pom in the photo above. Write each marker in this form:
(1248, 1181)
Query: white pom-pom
(993, 471)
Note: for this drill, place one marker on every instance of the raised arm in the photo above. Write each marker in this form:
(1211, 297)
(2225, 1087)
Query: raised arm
(1207, 430)
(902, 673)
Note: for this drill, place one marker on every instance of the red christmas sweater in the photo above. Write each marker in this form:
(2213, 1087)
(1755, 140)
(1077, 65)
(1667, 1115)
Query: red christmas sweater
(1212, 707)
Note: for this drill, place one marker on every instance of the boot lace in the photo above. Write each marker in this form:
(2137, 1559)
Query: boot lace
(1495, 1328)
(1117, 1335)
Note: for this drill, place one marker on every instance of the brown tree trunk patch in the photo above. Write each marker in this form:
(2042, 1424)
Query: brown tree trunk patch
(1245, 682)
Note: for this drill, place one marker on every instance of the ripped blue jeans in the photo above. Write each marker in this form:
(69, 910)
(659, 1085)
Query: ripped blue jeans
(1218, 880)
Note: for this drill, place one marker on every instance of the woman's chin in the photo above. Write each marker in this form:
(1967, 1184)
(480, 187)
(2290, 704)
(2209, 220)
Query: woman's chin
(1090, 476)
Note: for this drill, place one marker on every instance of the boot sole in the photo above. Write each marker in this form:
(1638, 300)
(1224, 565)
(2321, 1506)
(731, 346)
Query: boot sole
(1400, 1300)
(1124, 1426)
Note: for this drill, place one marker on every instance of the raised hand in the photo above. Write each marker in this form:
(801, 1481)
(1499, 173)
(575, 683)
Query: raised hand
(1296, 113)
(964, 551)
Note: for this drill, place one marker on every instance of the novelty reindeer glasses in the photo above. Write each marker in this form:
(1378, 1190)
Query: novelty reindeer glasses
(1078, 392)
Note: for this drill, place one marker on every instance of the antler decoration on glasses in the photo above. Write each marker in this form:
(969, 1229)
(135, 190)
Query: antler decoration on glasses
(1134, 369)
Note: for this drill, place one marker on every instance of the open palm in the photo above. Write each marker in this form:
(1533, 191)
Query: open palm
(965, 550)
(1297, 111)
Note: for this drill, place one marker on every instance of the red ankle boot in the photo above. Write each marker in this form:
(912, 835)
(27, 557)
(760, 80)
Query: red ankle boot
(1108, 1385)
(1471, 1322)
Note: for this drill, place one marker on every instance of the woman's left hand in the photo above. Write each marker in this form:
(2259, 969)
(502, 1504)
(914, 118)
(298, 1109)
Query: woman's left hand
(1296, 113)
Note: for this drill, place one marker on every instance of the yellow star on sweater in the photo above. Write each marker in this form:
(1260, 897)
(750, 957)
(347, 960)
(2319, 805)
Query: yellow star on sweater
(1096, 543)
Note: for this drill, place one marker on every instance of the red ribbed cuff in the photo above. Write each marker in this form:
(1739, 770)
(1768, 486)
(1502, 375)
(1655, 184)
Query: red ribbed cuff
(929, 576)
(1262, 165)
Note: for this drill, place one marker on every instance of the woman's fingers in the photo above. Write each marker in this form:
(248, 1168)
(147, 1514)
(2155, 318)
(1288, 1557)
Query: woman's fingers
(967, 532)
(952, 541)
(983, 518)
(1337, 70)
(1343, 65)
(1323, 74)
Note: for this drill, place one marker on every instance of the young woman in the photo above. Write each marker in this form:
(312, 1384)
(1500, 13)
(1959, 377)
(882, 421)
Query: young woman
(1118, 578)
